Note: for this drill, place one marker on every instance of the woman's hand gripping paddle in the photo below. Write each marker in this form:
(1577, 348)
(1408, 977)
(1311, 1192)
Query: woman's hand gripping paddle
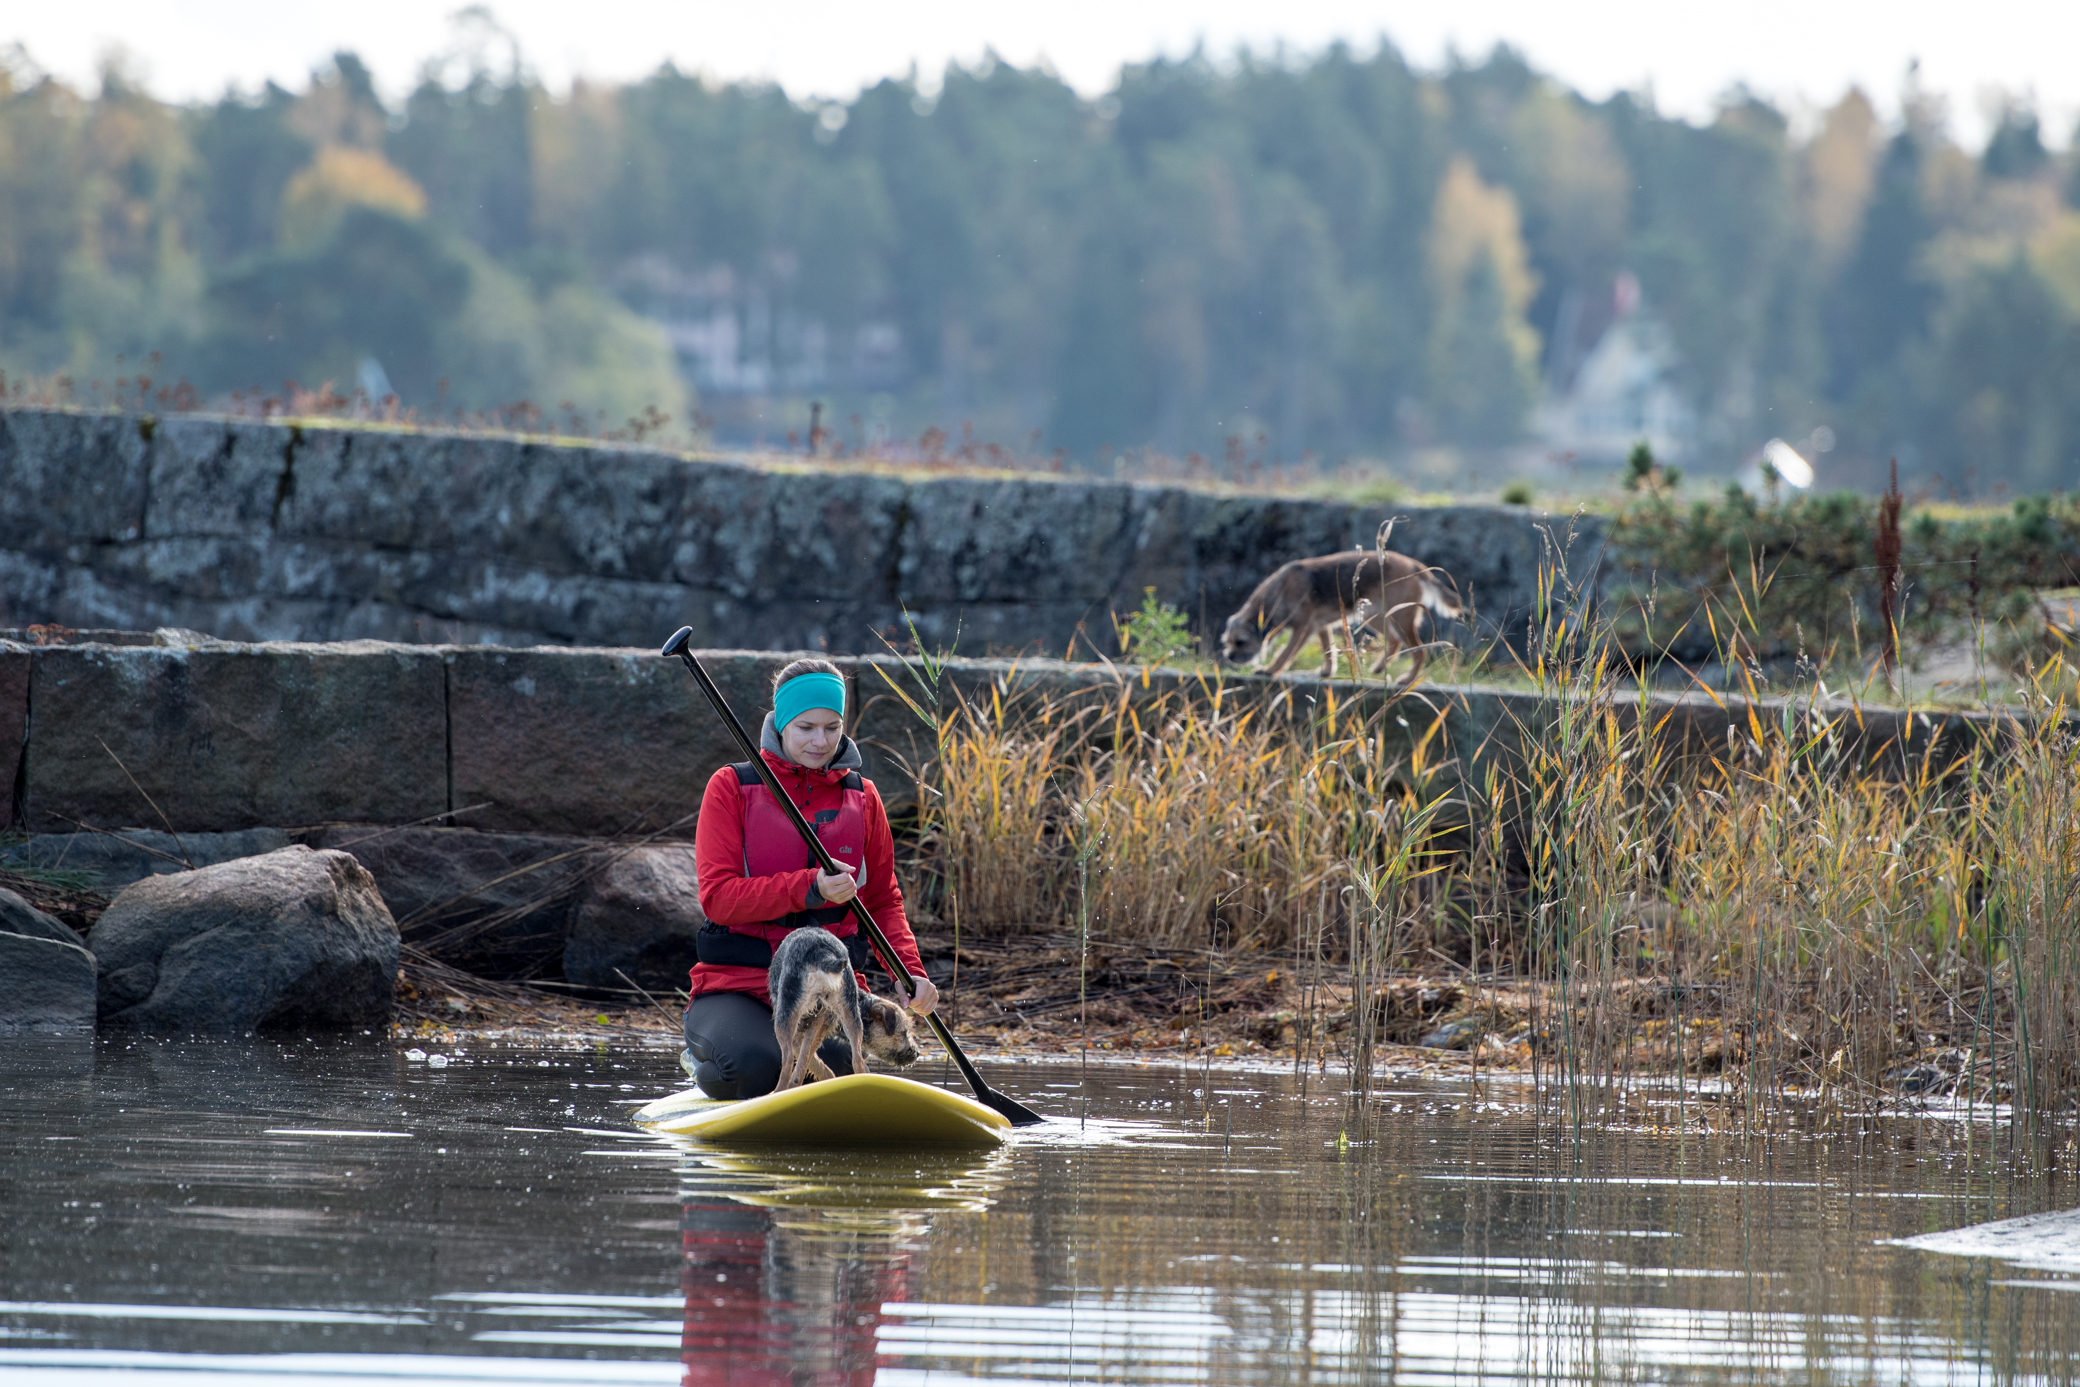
(1019, 1113)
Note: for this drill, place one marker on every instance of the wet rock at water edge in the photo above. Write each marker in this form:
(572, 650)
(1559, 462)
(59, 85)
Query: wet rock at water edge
(1931, 1074)
(1456, 1035)
(1916, 1078)
(292, 940)
(46, 973)
(639, 916)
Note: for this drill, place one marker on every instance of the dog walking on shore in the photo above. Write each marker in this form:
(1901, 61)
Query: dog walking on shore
(1364, 589)
(814, 989)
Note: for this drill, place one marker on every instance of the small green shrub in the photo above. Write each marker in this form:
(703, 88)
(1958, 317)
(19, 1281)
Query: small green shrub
(1156, 633)
(1644, 473)
(1518, 494)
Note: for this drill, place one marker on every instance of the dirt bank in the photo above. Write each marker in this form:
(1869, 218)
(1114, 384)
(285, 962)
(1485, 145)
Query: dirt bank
(1199, 1006)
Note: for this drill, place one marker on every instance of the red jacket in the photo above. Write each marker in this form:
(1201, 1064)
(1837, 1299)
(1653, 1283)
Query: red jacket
(729, 898)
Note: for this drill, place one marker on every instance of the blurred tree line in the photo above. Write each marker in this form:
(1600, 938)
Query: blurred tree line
(1328, 257)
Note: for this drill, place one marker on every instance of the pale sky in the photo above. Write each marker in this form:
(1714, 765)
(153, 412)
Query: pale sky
(1801, 52)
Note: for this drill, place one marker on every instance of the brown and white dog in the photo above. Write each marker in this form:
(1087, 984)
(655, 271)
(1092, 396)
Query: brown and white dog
(1364, 589)
(814, 989)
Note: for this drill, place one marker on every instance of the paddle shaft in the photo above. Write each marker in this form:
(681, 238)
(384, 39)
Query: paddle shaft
(1019, 1114)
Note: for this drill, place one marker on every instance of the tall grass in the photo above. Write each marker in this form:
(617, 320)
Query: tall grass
(1198, 819)
(2032, 914)
(1783, 910)
(1827, 913)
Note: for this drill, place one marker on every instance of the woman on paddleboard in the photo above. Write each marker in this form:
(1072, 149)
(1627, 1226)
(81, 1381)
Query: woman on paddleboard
(758, 881)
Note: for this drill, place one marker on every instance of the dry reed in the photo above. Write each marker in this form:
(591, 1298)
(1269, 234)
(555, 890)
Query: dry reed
(1197, 819)
(1784, 912)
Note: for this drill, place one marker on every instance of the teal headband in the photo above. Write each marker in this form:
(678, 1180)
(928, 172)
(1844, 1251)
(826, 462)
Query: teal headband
(805, 691)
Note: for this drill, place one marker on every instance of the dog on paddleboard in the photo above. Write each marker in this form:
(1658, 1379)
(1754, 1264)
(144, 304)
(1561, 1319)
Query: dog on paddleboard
(1366, 591)
(815, 991)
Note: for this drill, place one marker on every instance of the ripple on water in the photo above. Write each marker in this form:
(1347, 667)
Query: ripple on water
(310, 1212)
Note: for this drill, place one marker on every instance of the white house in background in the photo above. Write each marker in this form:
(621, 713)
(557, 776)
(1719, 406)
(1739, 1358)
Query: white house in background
(744, 335)
(1792, 470)
(1622, 390)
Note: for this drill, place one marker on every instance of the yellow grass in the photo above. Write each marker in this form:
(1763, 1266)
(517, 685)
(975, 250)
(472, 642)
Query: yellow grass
(1834, 920)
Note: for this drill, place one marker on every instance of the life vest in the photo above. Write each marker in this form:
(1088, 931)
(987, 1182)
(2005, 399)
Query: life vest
(772, 846)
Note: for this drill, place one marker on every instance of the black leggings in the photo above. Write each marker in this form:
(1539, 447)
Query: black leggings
(731, 1036)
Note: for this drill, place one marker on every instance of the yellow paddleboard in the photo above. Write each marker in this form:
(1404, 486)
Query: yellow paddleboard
(674, 1105)
(852, 1110)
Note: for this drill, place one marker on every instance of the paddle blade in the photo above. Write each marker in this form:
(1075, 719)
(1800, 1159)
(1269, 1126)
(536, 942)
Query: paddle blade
(1019, 1113)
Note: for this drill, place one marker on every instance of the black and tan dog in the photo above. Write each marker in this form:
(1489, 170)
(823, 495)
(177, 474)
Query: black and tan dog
(1373, 590)
(814, 990)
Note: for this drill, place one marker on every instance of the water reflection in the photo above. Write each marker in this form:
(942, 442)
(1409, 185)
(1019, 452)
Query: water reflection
(176, 1214)
(792, 1261)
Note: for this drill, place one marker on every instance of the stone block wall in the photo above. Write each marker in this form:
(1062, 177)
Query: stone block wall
(217, 737)
(334, 531)
(230, 736)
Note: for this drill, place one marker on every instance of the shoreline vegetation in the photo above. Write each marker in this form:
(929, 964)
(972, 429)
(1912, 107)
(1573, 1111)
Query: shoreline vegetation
(1767, 924)
(1779, 915)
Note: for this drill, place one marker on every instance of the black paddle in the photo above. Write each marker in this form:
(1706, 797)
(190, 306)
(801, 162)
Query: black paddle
(1019, 1113)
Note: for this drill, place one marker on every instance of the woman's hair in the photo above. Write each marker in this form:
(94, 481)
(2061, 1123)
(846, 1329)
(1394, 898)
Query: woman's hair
(801, 667)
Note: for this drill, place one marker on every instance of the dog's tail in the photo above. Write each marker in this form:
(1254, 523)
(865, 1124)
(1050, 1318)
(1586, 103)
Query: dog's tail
(1433, 595)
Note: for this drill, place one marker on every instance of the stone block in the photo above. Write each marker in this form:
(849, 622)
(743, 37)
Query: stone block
(228, 737)
(56, 589)
(46, 973)
(603, 743)
(293, 940)
(70, 477)
(551, 509)
(1026, 541)
(213, 478)
(353, 486)
(829, 541)
(511, 606)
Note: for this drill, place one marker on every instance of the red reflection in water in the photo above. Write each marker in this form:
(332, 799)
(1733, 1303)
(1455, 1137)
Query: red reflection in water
(764, 1305)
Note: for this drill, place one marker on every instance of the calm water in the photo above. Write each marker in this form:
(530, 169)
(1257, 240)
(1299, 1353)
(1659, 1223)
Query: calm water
(186, 1213)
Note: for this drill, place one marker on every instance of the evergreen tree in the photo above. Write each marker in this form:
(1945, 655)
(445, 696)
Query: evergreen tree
(1263, 257)
(1997, 398)
(1881, 302)
(245, 153)
(2016, 147)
